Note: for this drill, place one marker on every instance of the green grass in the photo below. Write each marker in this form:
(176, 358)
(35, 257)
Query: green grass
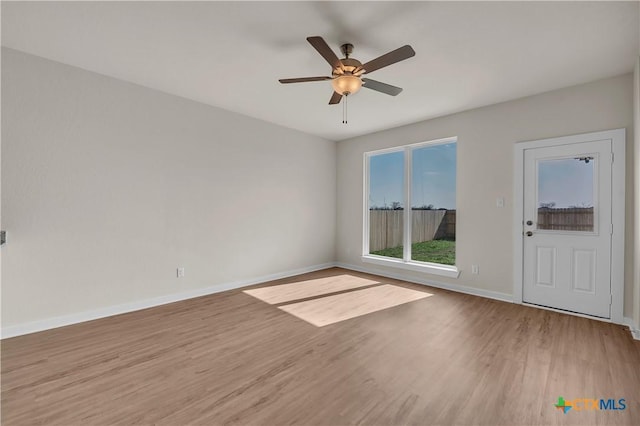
(434, 251)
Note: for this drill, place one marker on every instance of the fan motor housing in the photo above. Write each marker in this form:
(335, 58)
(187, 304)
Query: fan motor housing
(349, 64)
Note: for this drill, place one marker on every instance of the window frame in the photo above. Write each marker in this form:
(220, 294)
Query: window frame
(406, 262)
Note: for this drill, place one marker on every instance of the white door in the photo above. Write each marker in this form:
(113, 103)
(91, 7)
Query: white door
(567, 227)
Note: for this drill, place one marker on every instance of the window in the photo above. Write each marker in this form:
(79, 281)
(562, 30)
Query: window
(386, 206)
(422, 237)
(566, 194)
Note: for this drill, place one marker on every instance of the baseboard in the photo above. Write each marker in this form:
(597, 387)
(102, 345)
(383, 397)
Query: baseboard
(453, 287)
(635, 332)
(61, 321)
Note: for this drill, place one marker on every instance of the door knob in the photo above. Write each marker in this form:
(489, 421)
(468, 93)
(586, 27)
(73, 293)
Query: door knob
(529, 223)
(529, 233)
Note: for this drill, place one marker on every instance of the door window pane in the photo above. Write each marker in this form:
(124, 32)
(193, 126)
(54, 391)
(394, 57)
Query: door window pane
(433, 204)
(566, 194)
(386, 209)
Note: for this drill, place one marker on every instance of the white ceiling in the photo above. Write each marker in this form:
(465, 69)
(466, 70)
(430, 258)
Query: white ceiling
(231, 54)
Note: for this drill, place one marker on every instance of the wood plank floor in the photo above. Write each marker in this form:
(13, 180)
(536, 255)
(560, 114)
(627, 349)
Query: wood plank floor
(230, 358)
(340, 307)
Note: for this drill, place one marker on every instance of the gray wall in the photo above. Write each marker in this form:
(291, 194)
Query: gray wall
(108, 187)
(485, 171)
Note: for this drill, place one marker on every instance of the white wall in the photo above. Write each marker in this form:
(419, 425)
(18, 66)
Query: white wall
(485, 172)
(107, 187)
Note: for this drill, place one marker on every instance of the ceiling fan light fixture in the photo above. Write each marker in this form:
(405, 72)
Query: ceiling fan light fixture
(346, 84)
(346, 72)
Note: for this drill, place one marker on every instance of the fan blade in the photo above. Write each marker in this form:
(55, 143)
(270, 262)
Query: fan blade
(381, 87)
(302, 80)
(400, 54)
(335, 99)
(323, 49)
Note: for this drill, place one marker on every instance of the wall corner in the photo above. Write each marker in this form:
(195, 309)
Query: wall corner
(636, 192)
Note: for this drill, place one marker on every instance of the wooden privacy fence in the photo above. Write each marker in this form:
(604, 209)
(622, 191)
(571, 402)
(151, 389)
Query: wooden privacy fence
(386, 227)
(571, 219)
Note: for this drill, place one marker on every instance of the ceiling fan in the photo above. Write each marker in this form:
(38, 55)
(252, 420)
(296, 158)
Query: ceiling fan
(346, 72)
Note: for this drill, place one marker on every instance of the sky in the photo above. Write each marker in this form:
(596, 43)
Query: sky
(433, 177)
(566, 182)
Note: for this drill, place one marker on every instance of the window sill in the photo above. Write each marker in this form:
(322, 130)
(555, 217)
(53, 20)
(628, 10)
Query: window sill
(429, 268)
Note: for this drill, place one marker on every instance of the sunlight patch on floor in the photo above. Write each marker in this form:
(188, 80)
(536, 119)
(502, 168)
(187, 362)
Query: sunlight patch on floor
(311, 288)
(331, 309)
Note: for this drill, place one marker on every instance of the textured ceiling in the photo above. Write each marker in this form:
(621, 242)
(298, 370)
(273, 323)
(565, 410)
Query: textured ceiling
(231, 54)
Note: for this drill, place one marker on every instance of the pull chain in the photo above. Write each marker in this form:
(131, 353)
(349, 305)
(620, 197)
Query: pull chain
(344, 110)
(345, 101)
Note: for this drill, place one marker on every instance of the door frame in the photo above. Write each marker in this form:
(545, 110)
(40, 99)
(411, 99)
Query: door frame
(618, 139)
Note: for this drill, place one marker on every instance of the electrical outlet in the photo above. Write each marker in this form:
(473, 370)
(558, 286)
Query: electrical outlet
(475, 269)
(180, 272)
(500, 202)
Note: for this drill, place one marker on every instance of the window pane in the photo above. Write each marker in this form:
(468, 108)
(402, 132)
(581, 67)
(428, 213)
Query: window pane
(386, 209)
(433, 204)
(565, 194)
